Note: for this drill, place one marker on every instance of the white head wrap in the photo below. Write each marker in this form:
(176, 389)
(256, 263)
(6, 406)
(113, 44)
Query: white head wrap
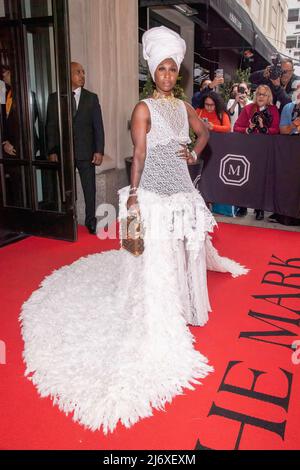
(162, 43)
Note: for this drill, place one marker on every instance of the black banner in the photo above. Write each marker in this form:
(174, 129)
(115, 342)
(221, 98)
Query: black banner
(140, 458)
(255, 171)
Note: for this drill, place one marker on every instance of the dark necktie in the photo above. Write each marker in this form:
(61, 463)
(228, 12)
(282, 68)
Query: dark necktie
(74, 107)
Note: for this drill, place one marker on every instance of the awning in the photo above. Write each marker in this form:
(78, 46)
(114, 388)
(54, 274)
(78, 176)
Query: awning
(262, 45)
(235, 15)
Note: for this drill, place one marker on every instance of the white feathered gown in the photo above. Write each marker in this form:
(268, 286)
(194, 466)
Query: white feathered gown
(107, 337)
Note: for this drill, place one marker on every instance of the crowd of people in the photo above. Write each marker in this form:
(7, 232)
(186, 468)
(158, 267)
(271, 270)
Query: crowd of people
(273, 108)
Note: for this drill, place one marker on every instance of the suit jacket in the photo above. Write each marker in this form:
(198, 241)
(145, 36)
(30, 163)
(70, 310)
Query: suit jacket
(88, 131)
(11, 125)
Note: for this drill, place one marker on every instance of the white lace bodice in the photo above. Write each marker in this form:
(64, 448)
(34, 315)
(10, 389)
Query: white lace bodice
(164, 172)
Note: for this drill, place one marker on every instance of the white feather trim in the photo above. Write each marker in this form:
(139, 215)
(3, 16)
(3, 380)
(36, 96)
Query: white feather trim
(106, 337)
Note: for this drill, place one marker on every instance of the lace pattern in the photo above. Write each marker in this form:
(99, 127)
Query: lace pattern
(169, 121)
(164, 172)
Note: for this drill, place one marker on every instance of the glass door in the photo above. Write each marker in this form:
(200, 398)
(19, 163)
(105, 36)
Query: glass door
(37, 191)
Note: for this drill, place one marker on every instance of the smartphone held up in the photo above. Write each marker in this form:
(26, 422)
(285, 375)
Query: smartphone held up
(219, 73)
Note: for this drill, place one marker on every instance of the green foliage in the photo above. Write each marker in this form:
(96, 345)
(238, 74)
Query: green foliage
(148, 88)
(178, 90)
(239, 76)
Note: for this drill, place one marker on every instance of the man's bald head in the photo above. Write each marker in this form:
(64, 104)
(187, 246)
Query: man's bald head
(77, 75)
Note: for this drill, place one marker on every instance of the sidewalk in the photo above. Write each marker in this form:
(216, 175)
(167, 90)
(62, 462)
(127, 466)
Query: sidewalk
(249, 220)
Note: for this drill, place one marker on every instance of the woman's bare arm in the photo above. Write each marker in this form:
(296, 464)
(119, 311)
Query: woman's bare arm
(199, 128)
(140, 125)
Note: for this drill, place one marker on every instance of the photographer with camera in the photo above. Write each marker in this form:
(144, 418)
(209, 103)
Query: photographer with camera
(289, 79)
(290, 117)
(207, 86)
(280, 78)
(259, 117)
(240, 98)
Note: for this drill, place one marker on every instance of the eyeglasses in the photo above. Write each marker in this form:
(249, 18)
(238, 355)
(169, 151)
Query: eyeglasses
(287, 71)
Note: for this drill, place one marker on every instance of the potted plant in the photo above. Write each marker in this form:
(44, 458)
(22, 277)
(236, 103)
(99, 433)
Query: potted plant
(239, 77)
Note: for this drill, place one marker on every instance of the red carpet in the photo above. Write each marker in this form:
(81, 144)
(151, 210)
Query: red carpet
(256, 406)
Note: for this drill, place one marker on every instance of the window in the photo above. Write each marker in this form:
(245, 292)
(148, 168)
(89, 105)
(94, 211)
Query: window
(291, 42)
(293, 14)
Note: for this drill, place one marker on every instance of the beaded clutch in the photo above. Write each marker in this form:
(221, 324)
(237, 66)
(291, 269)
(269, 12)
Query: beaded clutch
(133, 235)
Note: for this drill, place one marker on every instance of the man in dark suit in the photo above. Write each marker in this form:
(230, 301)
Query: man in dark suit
(88, 134)
(11, 124)
(11, 127)
(11, 141)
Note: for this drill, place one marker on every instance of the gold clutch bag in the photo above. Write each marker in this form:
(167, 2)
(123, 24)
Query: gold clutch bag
(133, 235)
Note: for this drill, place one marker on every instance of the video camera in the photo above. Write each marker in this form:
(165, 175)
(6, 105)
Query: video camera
(275, 69)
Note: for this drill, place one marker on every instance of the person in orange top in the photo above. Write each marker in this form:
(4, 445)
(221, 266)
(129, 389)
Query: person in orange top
(212, 111)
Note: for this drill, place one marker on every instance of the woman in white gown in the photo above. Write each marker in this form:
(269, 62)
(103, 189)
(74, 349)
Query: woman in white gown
(113, 350)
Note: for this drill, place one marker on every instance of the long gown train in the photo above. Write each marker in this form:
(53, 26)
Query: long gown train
(107, 337)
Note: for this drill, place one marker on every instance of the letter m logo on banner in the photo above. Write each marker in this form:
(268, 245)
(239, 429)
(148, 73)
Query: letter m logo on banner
(234, 170)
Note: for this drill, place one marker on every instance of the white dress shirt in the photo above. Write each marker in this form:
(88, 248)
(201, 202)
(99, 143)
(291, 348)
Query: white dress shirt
(77, 94)
(235, 115)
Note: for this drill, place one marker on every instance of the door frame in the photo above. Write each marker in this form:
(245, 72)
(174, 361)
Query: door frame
(61, 224)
